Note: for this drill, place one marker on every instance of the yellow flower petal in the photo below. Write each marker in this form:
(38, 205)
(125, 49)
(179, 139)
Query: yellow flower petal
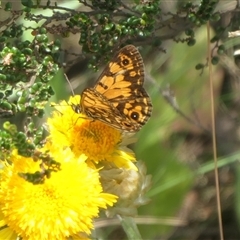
(64, 205)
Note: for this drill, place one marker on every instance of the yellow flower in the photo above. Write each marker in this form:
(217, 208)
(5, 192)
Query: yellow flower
(98, 141)
(64, 205)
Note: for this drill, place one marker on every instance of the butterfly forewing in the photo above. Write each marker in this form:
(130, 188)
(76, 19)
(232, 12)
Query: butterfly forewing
(105, 111)
(118, 98)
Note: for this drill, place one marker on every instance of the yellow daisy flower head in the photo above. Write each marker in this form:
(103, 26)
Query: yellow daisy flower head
(129, 185)
(63, 205)
(98, 141)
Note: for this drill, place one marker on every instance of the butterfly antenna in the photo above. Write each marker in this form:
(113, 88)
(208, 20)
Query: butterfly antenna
(69, 83)
(76, 107)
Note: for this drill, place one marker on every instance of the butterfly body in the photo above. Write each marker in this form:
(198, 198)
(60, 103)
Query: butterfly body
(118, 98)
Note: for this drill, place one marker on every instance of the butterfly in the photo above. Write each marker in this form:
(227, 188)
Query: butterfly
(118, 97)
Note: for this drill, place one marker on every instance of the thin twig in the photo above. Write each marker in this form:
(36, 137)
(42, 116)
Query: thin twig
(168, 96)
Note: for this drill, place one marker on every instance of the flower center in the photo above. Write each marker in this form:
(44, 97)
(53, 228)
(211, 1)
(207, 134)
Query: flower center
(95, 139)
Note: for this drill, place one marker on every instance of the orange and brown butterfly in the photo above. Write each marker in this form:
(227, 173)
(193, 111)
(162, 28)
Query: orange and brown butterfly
(118, 97)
